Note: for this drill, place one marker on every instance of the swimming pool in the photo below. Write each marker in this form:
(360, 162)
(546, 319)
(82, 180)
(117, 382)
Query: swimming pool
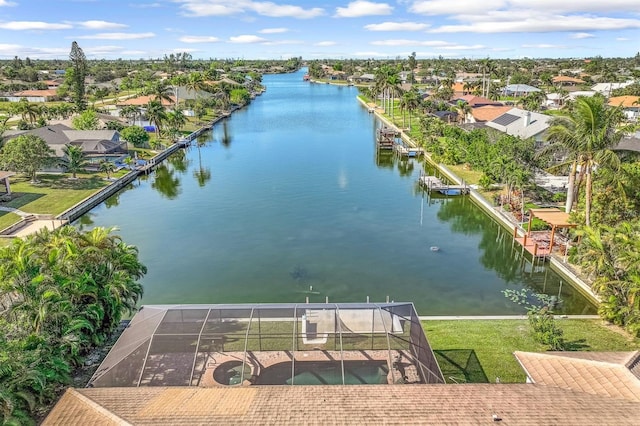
(325, 373)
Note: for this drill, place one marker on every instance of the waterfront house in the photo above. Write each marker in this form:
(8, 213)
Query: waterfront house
(97, 145)
(523, 124)
(203, 364)
(44, 95)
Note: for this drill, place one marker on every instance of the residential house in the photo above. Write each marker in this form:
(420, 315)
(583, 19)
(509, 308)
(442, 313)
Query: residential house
(44, 95)
(488, 113)
(606, 88)
(629, 104)
(567, 82)
(523, 124)
(518, 90)
(162, 372)
(96, 144)
(475, 101)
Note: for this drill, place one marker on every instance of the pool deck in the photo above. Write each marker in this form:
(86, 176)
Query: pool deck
(402, 368)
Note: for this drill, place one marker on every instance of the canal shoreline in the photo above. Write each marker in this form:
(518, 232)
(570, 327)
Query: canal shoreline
(556, 263)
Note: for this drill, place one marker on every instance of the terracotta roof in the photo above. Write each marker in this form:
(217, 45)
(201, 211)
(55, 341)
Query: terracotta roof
(44, 92)
(143, 100)
(474, 100)
(606, 375)
(625, 101)
(489, 112)
(521, 404)
(566, 79)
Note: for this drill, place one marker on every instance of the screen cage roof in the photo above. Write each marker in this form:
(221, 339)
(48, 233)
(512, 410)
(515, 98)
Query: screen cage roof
(189, 345)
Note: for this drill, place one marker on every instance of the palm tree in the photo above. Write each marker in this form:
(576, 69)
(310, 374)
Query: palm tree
(130, 112)
(587, 137)
(107, 167)
(156, 115)
(462, 109)
(195, 83)
(75, 159)
(161, 90)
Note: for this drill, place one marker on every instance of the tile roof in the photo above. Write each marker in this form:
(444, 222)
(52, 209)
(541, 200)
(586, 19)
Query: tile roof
(566, 79)
(489, 112)
(143, 100)
(604, 374)
(625, 101)
(513, 404)
(478, 101)
(43, 92)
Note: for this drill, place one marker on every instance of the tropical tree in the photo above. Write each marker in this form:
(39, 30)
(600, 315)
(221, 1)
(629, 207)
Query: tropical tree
(462, 109)
(195, 83)
(76, 75)
(74, 160)
(587, 137)
(135, 135)
(130, 112)
(160, 90)
(107, 167)
(26, 154)
(87, 120)
(68, 290)
(156, 115)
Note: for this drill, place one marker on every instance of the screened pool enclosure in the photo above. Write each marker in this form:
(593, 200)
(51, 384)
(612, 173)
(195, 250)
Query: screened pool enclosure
(270, 344)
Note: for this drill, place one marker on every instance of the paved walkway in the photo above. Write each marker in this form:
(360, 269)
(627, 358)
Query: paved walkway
(16, 211)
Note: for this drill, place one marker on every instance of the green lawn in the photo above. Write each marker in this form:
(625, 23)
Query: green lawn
(481, 350)
(52, 194)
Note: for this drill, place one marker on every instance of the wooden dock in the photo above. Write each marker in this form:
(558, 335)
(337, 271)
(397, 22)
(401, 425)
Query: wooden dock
(433, 183)
(386, 138)
(405, 151)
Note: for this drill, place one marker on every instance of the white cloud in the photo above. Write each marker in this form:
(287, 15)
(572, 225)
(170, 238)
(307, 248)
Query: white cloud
(117, 36)
(6, 3)
(396, 26)
(247, 39)
(281, 42)
(501, 22)
(622, 39)
(199, 39)
(101, 25)
(579, 36)
(325, 43)
(360, 8)
(449, 7)
(199, 8)
(372, 54)
(543, 46)
(273, 31)
(462, 47)
(9, 48)
(32, 25)
(285, 11)
(144, 6)
(402, 42)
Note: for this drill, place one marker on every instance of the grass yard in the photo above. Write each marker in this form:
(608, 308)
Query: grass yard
(52, 194)
(477, 351)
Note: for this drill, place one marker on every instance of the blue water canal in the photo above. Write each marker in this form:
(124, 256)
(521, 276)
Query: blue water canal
(288, 198)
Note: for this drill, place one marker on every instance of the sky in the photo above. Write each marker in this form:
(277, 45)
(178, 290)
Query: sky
(320, 29)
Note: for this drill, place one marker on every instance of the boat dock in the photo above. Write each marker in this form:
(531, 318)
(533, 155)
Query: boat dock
(433, 183)
(386, 137)
(405, 151)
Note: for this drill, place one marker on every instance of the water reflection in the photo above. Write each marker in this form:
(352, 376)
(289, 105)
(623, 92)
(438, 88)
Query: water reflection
(165, 181)
(202, 173)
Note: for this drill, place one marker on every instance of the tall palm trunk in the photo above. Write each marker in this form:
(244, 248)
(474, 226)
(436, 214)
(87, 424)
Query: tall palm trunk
(570, 187)
(587, 207)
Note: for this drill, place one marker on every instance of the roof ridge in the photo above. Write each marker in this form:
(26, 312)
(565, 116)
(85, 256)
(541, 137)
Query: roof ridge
(99, 408)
